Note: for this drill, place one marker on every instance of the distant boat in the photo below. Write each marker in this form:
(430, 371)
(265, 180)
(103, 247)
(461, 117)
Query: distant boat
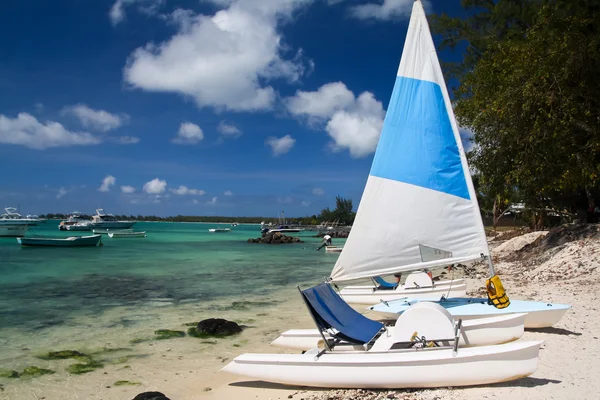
(284, 229)
(127, 234)
(219, 230)
(79, 226)
(107, 231)
(235, 224)
(13, 230)
(12, 217)
(109, 221)
(73, 241)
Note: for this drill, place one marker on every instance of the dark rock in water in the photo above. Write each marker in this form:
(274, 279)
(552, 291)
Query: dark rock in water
(217, 327)
(275, 238)
(162, 334)
(151, 396)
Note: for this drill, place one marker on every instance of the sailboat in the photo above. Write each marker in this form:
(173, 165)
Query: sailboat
(420, 178)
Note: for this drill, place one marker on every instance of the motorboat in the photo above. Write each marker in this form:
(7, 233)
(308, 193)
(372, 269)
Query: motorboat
(219, 230)
(12, 217)
(79, 226)
(100, 231)
(73, 241)
(122, 234)
(284, 229)
(109, 221)
(73, 219)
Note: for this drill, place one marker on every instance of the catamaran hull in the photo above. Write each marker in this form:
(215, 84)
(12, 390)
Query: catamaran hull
(538, 314)
(478, 332)
(370, 295)
(393, 370)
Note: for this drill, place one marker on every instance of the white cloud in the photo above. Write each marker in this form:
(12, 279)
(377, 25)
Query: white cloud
(26, 130)
(61, 192)
(466, 136)
(99, 120)
(117, 11)
(188, 134)
(354, 123)
(107, 183)
(127, 189)
(195, 201)
(155, 186)
(222, 60)
(184, 190)
(228, 193)
(305, 203)
(318, 192)
(285, 200)
(280, 145)
(228, 130)
(128, 140)
(212, 201)
(386, 10)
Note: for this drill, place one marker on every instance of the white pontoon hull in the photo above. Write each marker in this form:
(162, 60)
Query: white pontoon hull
(370, 295)
(426, 368)
(538, 314)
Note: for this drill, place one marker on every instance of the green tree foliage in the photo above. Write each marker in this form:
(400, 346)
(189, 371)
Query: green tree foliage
(342, 213)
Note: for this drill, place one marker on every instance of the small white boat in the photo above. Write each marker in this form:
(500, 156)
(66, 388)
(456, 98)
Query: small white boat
(285, 229)
(219, 230)
(109, 221)
(127, 234)
(73, 219)
(12, 217)
(333, 249)
(537, 314)
(417, 285)
(79, 226)
(73, 241)
(101, 231)
(13, 230)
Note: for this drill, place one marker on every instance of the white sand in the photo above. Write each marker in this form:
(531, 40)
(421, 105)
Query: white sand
(517, 243)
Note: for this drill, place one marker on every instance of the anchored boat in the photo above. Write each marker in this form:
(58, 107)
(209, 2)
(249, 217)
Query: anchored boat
(127, 234)
(73, 241)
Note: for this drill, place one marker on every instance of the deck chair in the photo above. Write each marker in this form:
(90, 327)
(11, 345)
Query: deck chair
(383, 284)
(334, 316)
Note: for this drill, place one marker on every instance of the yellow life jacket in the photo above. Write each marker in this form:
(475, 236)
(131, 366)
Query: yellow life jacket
(496, 294)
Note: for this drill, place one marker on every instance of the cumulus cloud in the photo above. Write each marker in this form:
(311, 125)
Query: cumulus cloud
(222, 60)
(188, 134)
(386, 10)
(305, 203)
(353, 123)
(228, 130)
(26, 130)
(108, 182)
(99, 120)
(212, 201)
(61, 192)
(318, 192)
(155, 186)
(280, 145)
(184, 190)
(285, 200)
(128, 140)
(195, 201)
(117, 11)
(127, 189)
(228, 193)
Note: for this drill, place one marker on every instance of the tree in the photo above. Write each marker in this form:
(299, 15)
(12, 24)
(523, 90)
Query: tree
(342, 213)
(533, 104)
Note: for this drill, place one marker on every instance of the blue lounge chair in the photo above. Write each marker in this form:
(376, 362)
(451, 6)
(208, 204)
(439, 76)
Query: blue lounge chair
(334, 316)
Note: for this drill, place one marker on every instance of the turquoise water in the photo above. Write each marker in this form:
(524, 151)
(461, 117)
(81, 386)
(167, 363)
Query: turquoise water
(178, 263)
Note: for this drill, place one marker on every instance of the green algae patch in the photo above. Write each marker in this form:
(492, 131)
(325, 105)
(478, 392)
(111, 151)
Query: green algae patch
(126, 383)
(8, 373)
(201, 335)
(77, 369)
(139, 340)
(64, 354)
(191, 323)
(236, 345)
(34, 372)
(162, 334)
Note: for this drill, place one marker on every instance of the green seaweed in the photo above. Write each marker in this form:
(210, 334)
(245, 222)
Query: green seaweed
(139, 340)
(209, 342)
(90, 366)
(262, 314)
(191, 324)
(162, 334)
(236, 345)
(109, 350)
(201, 335)
(125, 367)
(126, 383)
(34, 372)
(64, 354)
(8, 373)
(244, 305)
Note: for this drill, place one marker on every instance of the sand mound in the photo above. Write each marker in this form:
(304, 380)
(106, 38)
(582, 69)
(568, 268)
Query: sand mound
(517, 243)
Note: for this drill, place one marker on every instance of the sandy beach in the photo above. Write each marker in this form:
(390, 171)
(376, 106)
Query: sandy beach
(188, 368)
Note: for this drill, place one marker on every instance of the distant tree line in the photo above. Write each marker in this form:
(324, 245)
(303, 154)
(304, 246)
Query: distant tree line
(528, 89)
(342, 215)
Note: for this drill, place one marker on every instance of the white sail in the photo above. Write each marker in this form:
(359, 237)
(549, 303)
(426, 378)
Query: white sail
(419, 207)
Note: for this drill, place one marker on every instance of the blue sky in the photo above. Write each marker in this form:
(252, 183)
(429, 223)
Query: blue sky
(210, 107)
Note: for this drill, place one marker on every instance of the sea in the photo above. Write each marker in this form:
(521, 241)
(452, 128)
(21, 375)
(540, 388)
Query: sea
(110, 296)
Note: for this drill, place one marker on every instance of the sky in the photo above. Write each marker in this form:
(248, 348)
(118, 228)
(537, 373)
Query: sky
(195, 107)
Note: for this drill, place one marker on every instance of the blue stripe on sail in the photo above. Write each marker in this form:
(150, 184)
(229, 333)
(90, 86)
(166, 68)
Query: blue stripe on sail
(417, 145)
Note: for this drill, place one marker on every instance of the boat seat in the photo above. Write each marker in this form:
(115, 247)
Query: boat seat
(383, 284)
(332, 314)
